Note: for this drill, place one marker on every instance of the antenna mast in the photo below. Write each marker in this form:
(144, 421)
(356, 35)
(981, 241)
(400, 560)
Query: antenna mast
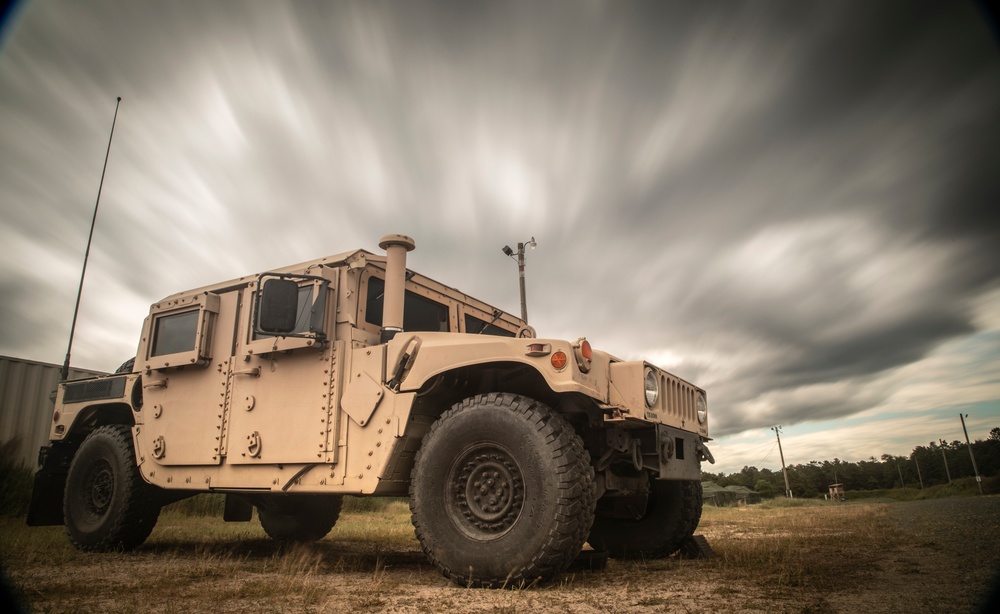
(64, 375)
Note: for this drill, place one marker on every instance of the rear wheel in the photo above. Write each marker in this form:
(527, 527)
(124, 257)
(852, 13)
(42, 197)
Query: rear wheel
(502, 492)
(107, 505)
(672, 513)
(299, 518)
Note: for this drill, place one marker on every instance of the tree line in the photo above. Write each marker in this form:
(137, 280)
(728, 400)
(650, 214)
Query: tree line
(935, 463)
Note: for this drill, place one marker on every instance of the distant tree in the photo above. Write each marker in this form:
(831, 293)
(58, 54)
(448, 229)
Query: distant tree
(766, 489)
(812, 479)
(707, 476)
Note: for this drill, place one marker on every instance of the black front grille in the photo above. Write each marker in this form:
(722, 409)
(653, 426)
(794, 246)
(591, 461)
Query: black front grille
(93, 390)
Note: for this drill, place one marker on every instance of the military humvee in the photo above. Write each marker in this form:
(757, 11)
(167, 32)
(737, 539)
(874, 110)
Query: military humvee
(289, 389)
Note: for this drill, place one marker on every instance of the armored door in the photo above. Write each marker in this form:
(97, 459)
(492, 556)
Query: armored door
(185, 356)
(282, 388)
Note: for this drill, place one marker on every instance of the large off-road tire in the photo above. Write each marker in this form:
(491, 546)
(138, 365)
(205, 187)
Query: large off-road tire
(107, 505)
(502, 492)
(299, 518)
(672, 515)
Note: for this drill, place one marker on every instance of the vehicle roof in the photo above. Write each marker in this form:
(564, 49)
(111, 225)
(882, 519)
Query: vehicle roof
(357, 258)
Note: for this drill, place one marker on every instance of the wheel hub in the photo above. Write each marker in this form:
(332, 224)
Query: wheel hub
(99, 488)
(487, 491)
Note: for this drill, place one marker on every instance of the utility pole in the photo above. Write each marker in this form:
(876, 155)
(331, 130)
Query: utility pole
(788, 490)
(979, 480)
(520, 271)
(64, 374)
(919, 477)
(902, 484)
(947, 472)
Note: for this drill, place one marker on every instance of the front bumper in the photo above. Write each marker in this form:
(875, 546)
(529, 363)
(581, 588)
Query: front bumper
(680, 454)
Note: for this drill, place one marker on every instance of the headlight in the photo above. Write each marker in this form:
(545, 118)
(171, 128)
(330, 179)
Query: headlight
(702, 409)
(652, 386)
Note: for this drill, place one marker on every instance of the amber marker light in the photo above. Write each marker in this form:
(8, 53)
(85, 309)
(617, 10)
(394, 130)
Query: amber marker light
(559, 360)
(584, 354)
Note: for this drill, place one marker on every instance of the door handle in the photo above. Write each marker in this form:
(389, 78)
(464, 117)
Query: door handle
(252, 372)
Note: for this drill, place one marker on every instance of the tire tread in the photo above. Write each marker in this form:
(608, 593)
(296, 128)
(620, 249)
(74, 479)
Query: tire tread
(575, 509)
(140, 509)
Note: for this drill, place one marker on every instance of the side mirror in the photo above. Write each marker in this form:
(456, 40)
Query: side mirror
(277, 306)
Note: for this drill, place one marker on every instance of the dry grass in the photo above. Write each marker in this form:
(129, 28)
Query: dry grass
(769, 559)
(819, 546)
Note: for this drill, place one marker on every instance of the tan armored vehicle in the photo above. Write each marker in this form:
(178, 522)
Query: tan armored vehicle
(352, 375)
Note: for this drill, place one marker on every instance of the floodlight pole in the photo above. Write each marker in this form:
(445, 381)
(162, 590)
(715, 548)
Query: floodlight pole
(520, 279)
(64, 374)
(979, 480)
(520, 271)
(788, 490)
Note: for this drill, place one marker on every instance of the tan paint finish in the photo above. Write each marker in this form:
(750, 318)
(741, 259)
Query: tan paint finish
(363, 390)
(675, 406)
(183, 406)
(316, 413)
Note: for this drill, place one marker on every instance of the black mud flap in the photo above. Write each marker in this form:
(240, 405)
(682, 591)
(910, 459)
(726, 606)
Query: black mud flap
(237, 509)
(696, 547)
(589, 560)
(46, 507)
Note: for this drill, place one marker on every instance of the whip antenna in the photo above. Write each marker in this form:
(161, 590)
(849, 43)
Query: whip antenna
(64, 375)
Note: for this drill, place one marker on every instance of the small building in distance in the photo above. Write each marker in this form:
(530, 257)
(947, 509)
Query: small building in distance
(713, 494)
(744, 495)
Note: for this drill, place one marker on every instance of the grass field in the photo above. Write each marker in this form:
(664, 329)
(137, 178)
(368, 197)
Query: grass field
(788, 556)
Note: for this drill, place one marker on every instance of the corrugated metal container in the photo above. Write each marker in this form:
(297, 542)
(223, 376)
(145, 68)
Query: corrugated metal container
(26, 387)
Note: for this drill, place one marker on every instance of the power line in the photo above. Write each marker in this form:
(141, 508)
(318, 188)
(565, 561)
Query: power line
(771, 449)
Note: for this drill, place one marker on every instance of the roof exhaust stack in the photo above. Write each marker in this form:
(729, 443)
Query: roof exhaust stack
(395, 247)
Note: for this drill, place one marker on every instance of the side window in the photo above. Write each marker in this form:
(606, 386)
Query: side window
(419, 312)
(315, 293)
(375, 301)
(180, 332)
(476, 326)
(304, 307)
(175, 333)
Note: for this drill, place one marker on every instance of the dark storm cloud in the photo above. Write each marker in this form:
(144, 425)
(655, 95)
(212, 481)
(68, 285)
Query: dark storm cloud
(789, 201)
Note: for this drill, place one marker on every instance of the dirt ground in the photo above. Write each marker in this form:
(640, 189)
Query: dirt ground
(940, 557)
(949, 560)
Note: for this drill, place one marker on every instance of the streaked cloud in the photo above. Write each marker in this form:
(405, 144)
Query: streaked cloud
(794, 205)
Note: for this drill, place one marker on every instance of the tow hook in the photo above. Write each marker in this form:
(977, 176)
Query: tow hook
(704, 454)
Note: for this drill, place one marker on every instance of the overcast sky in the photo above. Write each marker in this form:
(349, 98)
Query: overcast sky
(794, 205)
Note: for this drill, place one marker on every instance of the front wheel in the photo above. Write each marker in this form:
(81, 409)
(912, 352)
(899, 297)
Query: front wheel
(502, 492)
(107, 505)
(672, 513)
(299, 518)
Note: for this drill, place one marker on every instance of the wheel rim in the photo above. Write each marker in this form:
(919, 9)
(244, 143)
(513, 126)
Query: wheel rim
(487, 492)
(99, 489)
